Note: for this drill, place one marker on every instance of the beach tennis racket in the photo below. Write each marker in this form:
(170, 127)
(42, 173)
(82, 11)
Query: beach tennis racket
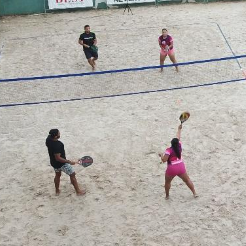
(184, 117)
(94, 48)
(85, 161)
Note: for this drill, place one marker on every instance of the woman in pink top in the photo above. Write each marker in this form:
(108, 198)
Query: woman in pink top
(175, 165)
(166, 45)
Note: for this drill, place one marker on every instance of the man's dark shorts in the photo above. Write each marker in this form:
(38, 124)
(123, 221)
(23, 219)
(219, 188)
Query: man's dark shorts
(90, 53)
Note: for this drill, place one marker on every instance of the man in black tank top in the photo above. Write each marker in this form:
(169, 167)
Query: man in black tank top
(88, 41)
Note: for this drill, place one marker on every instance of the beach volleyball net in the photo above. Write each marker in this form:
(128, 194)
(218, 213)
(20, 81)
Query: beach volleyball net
(120, 82)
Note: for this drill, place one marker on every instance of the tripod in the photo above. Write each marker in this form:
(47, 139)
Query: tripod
(128, 8)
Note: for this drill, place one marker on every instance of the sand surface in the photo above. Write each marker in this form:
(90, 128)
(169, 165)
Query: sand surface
(125, 202)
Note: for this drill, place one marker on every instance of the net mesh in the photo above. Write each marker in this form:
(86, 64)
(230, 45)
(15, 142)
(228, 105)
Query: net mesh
(101, 85)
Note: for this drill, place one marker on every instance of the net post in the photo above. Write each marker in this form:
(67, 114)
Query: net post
(45, 7)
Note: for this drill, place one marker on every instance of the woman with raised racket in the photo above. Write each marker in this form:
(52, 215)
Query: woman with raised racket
(175, 164)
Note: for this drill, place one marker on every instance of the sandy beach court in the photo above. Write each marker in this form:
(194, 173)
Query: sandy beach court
(125, 202)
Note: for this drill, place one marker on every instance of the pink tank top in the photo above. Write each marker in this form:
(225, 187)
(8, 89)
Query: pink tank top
(173, 159)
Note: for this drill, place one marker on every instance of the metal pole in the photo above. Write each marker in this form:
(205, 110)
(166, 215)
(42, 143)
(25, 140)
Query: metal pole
(44, 7)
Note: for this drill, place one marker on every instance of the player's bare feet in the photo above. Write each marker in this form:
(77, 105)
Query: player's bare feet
(58, 192)
(81, 192)
(167, 198)
(195, 195)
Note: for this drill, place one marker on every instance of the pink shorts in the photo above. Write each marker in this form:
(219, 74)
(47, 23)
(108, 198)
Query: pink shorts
(165, 53)
(176, 169)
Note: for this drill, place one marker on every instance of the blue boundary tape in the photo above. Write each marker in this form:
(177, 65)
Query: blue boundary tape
(120, 95)
(118, 70)
(228, 44)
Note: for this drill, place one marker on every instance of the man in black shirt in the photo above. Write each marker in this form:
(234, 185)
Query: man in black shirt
(88, 41)
(59, 162)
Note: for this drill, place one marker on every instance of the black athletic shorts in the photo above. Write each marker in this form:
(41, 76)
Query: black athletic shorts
(90, 53)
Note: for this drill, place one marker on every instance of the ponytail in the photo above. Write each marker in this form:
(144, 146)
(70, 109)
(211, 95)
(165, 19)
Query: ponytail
(175, 147)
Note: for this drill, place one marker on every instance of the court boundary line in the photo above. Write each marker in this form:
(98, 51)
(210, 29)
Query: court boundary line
(122, 94)
(228, 44)
(118, 70)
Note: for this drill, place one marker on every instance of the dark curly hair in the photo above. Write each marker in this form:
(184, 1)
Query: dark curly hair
(53, 133)
(175, 147)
